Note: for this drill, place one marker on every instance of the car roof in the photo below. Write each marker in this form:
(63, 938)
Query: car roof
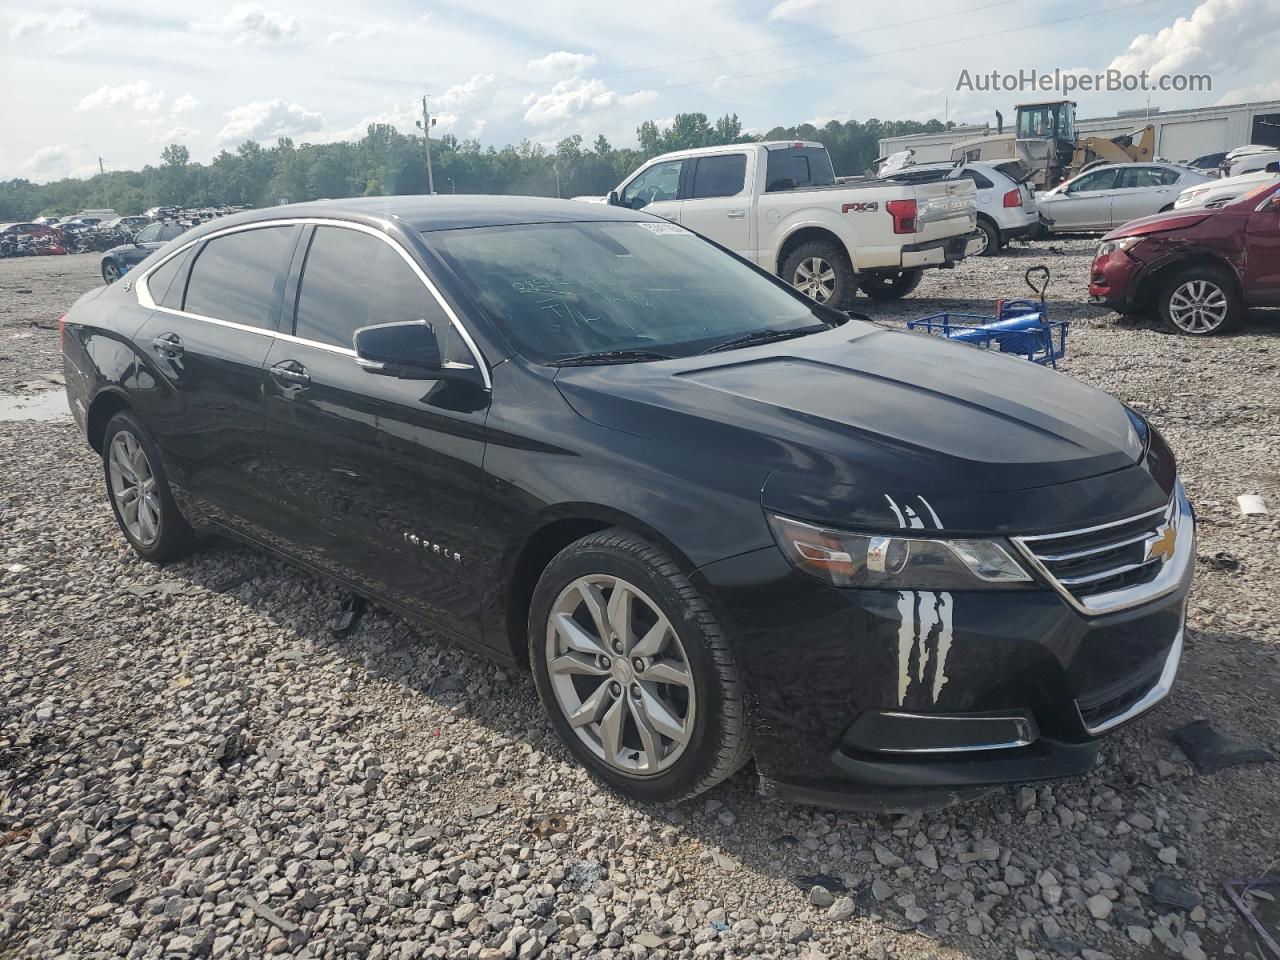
(442, 212)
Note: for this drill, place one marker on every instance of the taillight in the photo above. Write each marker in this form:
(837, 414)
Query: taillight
(1013, 198)
(904, 215)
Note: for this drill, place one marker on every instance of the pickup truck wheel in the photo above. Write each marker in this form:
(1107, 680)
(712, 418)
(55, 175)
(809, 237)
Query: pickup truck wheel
(821, 271)
(891, 286)
(990, 238)
(1200, 301)
(635, 671)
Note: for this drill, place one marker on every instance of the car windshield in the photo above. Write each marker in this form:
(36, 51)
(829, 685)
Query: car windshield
(560, 290)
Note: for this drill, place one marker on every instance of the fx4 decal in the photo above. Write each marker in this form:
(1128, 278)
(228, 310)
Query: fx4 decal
(867, 207)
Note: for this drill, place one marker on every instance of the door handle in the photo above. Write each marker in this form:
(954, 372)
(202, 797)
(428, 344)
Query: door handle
(291, 373)
(168, 345)
(736, 214)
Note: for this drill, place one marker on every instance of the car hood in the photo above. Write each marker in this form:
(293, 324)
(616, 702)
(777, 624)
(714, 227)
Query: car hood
(1163, 222)
(860, 413)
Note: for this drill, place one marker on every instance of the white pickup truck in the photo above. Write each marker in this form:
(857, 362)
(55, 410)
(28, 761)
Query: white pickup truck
(780, 206)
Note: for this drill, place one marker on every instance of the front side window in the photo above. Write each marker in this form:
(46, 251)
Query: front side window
(352, 280)
(239, 277)
(1101, 180)
(719, 176)
(659, 182)
(561, 289)
(148, 234)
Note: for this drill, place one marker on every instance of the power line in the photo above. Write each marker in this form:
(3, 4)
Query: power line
(860, 57)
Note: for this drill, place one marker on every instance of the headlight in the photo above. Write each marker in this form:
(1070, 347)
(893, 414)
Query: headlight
(887, 561)
(1113, 246)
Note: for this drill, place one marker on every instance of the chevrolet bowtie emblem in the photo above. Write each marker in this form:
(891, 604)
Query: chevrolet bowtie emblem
(1162, 545)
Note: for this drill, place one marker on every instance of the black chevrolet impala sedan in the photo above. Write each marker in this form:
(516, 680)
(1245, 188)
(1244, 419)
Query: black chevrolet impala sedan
(716, 521)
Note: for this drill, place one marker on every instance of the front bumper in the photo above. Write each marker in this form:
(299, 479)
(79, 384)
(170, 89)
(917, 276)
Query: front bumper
(1113, 281)
(1030, 681)
(943, 252)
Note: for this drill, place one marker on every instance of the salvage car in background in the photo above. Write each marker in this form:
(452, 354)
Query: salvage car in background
(1215, 193)
(1200, 268)
(119, 260)
(714, 517)
(778, 204)
(1107, 196)
(1006, 204)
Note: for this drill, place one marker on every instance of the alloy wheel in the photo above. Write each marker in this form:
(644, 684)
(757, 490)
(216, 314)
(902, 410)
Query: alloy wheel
(815, 278)
(133, 486)
(110, 272)
(1198, 306)
(620, 675)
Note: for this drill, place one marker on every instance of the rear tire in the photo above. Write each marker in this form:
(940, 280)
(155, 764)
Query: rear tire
(1200, 301)
(625, 651)
(891, 286)
(139, 492)
(821, 271)
(991, 233)
(110, 272)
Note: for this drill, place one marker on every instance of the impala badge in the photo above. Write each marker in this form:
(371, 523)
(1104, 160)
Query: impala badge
(429, 546)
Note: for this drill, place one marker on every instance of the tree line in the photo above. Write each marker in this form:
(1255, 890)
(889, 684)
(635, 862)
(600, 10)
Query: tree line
(386, 161)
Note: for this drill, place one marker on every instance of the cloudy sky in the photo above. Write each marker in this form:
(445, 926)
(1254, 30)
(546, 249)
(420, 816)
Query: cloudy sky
(120, 80)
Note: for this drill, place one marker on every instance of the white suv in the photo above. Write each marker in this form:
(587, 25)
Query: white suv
(1006, 205)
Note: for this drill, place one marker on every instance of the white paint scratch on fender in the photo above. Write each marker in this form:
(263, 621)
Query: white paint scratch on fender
(906, 639)
(924, 617)
(944, 643)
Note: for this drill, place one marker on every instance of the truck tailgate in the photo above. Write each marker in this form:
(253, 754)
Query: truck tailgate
(945, 208)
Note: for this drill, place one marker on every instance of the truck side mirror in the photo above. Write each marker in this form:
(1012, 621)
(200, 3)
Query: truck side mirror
(613, 199)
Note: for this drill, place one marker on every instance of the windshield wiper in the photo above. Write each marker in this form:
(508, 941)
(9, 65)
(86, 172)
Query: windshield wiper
(762, 336)
(610, 356)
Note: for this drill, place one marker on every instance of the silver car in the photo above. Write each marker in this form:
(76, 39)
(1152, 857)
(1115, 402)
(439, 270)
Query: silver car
(1111, 195)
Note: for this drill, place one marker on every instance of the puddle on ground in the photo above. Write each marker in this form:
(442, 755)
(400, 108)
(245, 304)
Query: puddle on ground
(34, 406)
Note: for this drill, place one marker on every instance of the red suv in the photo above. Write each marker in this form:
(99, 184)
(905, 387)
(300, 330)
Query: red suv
(1200, 268)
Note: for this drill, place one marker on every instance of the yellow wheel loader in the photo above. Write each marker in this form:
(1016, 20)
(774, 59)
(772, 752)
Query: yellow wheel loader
(1044, 138)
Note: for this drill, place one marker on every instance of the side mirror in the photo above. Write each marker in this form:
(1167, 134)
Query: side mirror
(408, 351)
(613, 199)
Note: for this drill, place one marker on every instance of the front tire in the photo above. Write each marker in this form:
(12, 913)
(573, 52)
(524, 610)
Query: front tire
(139, 492)
(821, 271)
(1200, 302)
(635, 671)
(892, 285)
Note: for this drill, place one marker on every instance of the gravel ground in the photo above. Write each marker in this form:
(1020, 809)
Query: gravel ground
(192, 764)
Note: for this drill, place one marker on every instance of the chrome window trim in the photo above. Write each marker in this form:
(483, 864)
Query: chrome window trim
(1159, 690)
(1029, 734)
(145, 299)
(1178, 510)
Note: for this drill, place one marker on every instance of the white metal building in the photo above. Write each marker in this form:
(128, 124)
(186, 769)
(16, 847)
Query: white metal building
(1180, 134)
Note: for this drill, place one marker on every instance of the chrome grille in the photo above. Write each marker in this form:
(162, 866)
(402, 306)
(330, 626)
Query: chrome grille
(1117, 565)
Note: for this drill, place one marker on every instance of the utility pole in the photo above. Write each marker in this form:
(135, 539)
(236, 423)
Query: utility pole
(103, 180)
(426, 123)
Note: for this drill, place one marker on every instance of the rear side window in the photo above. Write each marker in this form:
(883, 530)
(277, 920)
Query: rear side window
(149, 233)
(1147, 177)
(979, 181)
(352, 280)
(719, 176)
(792, 167)
(167, 281)
(239, 277)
